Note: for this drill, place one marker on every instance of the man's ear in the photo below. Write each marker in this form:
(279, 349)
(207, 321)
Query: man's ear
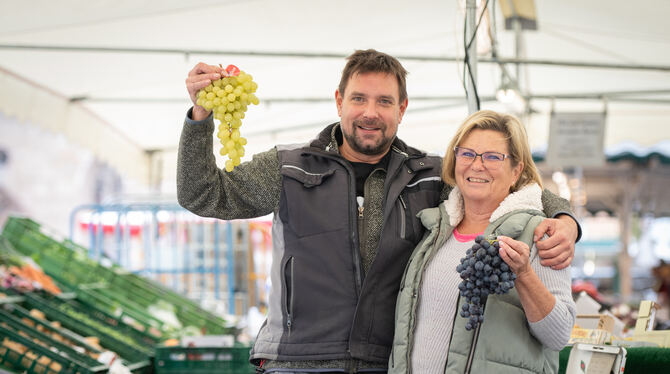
(403, 107)
(338, 102)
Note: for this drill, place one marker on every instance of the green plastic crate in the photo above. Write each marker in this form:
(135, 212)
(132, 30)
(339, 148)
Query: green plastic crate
(203, 360)
(16, 325)
(107, 318)
(8, 254)
(105, 298)
(146, 292)
(28, 237)
(68, 264)
(69, 360)
(75, 362)
(15, 303)
(115, 302)
(65, 271)
(21, 313)
(126, 347)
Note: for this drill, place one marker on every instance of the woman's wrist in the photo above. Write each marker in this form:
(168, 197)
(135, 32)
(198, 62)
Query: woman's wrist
(525, 275)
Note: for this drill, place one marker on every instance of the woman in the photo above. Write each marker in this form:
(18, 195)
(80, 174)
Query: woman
(498, 190)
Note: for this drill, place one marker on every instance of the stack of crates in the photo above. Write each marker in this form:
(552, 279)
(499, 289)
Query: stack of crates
(121, 293)
(53, 341)
(110, 303)
(203, 360)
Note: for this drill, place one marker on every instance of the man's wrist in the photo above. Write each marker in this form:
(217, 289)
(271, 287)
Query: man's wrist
(193, 119)
(558, 215)
(199, 113)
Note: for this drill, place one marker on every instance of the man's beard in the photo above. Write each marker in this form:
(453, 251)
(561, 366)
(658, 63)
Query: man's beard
(378, 148)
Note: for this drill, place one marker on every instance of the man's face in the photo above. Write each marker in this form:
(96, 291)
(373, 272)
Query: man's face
(370, 111)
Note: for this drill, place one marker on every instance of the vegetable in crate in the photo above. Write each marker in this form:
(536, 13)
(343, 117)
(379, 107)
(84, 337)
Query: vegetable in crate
(35, 274)
(484, 273)
(110, 331)
(228, 97)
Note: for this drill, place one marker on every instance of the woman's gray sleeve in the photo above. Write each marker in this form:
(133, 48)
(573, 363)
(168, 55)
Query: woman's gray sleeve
(553, 331)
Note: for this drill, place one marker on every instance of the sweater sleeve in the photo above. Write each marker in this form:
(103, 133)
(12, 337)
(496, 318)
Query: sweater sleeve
(252, 189)
(444, 193)
(553, 331)
(556, 205)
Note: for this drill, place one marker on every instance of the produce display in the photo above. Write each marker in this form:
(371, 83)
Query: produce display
(106, 320)
(20, 272)
(484, 273)
(228, 98)
(83, 318)
(111, 288)
(34, 274)
(31, 342)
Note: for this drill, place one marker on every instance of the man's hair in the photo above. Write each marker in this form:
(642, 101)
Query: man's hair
(517, 144)
(372, 61)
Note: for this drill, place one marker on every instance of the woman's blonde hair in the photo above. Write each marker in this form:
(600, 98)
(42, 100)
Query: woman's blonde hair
(517, 142)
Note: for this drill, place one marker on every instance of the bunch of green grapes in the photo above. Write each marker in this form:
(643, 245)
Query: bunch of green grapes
(229, 97)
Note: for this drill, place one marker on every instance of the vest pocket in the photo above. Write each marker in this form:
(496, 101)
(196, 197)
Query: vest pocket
(288, 292)
(307, 179)
(314, 201)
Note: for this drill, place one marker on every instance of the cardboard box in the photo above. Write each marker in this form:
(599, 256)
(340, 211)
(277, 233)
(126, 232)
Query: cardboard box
(589, 336)
(595, 321)
(585, 304)
(660, 337)
(644, 326)
(596, 359)
(646, 318)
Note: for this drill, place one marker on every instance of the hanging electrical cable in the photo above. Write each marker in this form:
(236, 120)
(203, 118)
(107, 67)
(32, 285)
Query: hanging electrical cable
(467, 45)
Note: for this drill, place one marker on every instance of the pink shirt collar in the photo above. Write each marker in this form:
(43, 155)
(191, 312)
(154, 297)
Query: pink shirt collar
(465, 237)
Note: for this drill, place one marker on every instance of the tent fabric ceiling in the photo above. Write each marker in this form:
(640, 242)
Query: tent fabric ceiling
(25, 102)
(142, 95)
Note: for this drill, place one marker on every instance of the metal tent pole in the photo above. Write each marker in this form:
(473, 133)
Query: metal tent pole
(471, 55)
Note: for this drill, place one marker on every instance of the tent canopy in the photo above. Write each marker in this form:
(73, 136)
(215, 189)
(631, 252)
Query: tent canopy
(122, 65)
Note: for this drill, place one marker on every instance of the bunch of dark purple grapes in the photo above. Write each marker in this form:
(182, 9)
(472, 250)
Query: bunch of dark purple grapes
(484, 273)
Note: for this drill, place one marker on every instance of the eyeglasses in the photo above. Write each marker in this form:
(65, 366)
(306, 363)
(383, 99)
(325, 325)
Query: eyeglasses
(468, 156)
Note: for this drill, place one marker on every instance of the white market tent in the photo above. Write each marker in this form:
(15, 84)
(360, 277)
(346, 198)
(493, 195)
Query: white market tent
(110, 75)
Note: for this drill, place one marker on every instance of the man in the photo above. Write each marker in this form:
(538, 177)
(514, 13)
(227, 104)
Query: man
(344, 225)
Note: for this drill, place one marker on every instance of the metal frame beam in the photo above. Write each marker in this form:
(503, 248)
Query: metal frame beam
(187, 52)
(614, 96)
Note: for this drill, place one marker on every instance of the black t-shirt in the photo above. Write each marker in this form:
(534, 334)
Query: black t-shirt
(362, 170)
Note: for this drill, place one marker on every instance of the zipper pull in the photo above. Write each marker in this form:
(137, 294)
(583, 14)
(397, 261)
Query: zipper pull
(402, 202)
(359, 201)
(288, 324)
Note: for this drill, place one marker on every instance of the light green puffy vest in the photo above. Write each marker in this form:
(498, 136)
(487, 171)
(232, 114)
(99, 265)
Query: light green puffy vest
(504, 343)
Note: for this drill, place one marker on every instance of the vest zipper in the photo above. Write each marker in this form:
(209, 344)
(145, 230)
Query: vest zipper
(403, 213)
(473, 345)
(453, 323)
(288, 279)
(353, 224)
(360, 200)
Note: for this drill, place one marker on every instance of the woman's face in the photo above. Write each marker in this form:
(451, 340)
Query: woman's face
(485, 180)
